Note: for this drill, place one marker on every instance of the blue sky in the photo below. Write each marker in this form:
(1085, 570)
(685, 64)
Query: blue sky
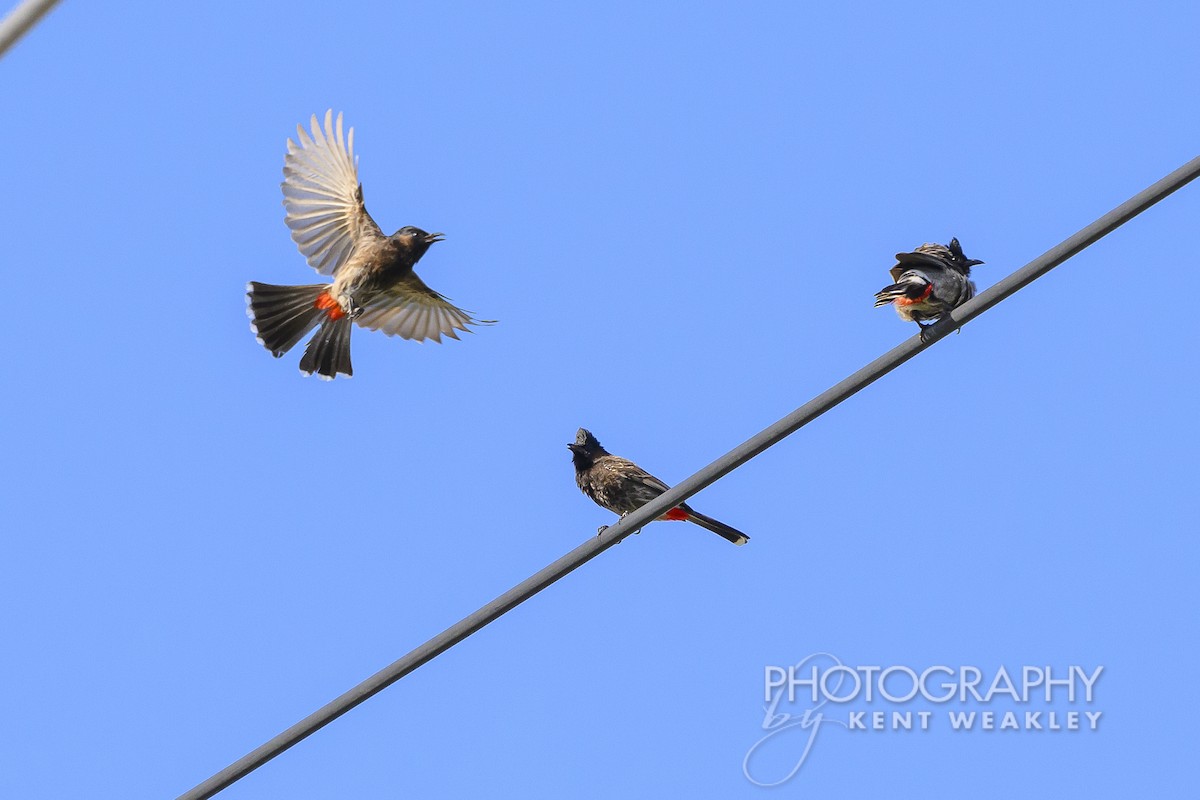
(679, 214)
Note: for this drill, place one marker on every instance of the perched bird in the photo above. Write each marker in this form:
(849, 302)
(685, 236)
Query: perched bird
(929, 281)
(373, 280)
(622, 486)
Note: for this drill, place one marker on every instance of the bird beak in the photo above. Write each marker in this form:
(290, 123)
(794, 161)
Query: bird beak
(573, 447)
(973, 261)
(435, 237)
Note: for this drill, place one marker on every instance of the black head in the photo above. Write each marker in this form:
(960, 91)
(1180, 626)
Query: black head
(416, 240)
(960, 260)
(585, 448)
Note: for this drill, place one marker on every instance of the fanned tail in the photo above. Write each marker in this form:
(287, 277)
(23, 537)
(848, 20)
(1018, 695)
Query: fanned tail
(280, 316)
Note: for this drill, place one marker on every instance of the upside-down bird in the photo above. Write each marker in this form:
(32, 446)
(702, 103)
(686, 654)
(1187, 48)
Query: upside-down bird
(622, 486)
(929, 281)
(373, 280)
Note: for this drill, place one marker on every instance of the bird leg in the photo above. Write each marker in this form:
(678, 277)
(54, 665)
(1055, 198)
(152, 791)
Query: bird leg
(600, 531)
(353, 309)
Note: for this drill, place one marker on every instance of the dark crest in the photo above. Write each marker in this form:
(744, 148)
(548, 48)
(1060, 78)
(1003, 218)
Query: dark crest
(585, 447)
(961, 262)
(584, 439)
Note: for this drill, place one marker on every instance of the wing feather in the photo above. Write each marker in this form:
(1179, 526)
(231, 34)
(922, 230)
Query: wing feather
(322, 198)
(411, 310)
(653, 482)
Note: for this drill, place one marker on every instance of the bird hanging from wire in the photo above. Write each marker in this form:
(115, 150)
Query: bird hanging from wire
(373, 280)
(622, 486)
(929, 281)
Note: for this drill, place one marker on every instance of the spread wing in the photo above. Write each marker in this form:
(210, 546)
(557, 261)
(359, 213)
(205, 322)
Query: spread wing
(412, 310)
(322, 197)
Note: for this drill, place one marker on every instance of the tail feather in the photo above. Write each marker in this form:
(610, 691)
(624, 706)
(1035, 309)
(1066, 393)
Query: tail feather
(328, 353)
(282, 315)
(889, 294)
(909, 289)
(719, 528)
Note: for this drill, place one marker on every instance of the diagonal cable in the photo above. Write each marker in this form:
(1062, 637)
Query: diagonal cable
(596, 545)
(20, 20)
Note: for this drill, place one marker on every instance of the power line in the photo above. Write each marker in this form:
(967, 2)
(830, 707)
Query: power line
(595, 545)
(21, 19)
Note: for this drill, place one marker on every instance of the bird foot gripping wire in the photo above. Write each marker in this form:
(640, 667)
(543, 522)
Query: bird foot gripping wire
(600, 531)
(927, 335)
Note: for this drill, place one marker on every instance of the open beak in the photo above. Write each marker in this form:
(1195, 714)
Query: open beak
(434, 237)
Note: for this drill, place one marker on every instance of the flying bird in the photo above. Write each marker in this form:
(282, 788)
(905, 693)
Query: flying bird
(622, 486)
(929, 281)
(373, 280)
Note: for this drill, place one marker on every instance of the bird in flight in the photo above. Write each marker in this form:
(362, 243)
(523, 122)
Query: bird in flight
(621, 486)
(929, 281)
(373, 280)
